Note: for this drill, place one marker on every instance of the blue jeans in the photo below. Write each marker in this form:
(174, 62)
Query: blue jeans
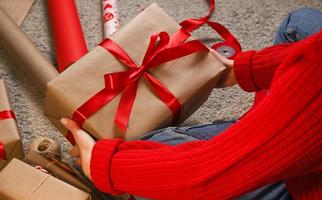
(296, 26)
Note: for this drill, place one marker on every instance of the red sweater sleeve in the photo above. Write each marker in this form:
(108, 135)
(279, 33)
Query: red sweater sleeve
(279, 139)
(254, 70)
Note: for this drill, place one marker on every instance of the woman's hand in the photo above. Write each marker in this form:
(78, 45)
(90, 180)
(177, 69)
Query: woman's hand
(228, 78)
(82, 151)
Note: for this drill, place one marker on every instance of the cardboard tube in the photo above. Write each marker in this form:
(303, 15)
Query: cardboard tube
(67, 32)
(21, 48)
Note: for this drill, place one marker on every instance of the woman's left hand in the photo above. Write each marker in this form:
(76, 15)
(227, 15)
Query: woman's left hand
(82, 151)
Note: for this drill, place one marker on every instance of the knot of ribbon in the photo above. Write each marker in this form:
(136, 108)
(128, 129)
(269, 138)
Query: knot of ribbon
(126, 82)
(6, 114)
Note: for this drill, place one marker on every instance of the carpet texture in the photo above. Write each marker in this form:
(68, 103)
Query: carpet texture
(253, 22)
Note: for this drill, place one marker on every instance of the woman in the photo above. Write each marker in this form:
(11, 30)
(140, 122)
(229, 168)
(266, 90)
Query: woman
(280, 139)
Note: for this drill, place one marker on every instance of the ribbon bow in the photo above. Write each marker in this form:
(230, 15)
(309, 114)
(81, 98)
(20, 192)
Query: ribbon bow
(6, 114)
(158, 52)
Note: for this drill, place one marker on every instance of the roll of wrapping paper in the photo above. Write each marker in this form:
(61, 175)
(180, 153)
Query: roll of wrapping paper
(110, 17)
(67, 32)
(25, 53)
(45, 146)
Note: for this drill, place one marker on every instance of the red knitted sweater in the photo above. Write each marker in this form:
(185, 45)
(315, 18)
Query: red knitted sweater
(280, 139)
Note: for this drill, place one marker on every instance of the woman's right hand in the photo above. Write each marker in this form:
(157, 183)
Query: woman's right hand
(228, 78)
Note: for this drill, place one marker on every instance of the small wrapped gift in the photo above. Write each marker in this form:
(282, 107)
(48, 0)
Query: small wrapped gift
(110, 95)
(10, 142)
(57, 168)
(22, 181)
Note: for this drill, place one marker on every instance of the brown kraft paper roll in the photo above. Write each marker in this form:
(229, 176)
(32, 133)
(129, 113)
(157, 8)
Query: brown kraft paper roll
(26, 54)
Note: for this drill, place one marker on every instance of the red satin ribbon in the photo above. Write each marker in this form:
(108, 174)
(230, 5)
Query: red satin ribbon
(7, 114)
(190, 25)
(161, 49)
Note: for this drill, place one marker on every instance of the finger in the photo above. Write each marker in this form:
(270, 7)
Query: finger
(70, 125)
(83, 140)
(74, 152)
(222, 59)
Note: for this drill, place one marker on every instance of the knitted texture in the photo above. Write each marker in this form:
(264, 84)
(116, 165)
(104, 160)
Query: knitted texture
(280, 139)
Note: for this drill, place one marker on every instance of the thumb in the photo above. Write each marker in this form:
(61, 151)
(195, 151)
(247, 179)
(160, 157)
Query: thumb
(225, 61)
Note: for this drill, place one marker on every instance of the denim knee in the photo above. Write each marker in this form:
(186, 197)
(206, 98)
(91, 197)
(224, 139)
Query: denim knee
(298, 25)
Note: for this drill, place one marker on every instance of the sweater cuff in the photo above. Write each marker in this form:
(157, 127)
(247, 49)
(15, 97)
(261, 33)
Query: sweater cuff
(100, 166)
(243, 71)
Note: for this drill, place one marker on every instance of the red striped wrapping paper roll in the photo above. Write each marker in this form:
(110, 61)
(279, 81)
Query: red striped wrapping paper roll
(110, 17)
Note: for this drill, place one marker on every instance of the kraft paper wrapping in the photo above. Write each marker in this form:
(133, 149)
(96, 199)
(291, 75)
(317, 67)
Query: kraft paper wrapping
(20, 181)
(56, 168)
(9, 133)
(17, 9)
(25, 53)
(191, 79)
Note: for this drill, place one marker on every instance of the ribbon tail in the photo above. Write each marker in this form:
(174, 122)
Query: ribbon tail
(176, 52)
(94, 104)
(192, 24)
(125, 106)
(178, 37)
(166, 97)
(90, 107)
(3, 155)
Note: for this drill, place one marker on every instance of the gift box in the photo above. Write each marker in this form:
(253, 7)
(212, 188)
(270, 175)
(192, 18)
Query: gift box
(187, 81)
(10, 142)
(22, 181)
(57, 168)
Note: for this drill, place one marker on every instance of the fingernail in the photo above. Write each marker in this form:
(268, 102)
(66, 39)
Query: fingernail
(63, 121)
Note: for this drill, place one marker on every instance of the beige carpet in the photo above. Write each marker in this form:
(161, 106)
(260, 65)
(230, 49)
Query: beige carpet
(253, 22)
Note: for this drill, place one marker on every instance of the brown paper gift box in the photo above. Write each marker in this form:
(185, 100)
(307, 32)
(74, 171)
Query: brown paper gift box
(56, 168)
(9, 133)
(191, 79)
(20, 181)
